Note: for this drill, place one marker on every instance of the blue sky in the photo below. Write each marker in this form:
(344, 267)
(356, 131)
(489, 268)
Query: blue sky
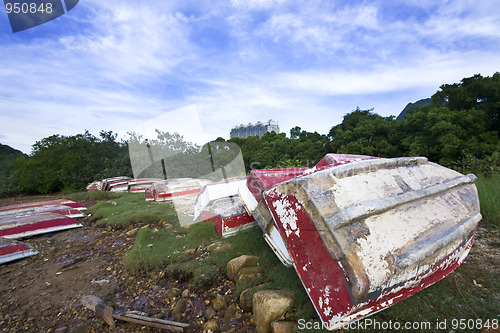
(200, 67)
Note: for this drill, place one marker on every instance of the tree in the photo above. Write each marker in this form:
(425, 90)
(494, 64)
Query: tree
(461, 122)
(71, 162)
(367, 133)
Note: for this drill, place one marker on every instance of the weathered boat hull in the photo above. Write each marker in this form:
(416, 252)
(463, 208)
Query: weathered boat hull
(229, 215)
(367, 233)
(214, 191)
(34, 218)
(40, 205)
(141, 184)
(116, 182)
(177, 187)
(13, 250)
(15, 227)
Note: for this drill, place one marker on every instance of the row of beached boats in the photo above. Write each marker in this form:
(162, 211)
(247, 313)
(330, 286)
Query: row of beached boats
(361, 232)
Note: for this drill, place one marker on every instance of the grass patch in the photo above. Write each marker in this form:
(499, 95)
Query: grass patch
(156, 250)
(130, 210)
(489, 198)
(93, 195)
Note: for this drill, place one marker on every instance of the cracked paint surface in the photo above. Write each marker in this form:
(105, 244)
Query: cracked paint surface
(354, 265)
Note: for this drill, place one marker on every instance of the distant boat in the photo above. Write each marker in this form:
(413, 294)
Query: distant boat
(363, 233)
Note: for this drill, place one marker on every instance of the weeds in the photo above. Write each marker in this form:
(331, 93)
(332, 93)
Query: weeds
(131, 210)
(93, 195)
(489, 198)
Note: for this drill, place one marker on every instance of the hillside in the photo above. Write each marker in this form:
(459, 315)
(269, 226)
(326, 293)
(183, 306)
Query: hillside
(408, 106)
(7, 156)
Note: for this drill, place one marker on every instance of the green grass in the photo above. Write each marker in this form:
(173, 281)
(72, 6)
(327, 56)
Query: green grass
(155, 250)
(93, 195)
(489, 198)
(131, 210)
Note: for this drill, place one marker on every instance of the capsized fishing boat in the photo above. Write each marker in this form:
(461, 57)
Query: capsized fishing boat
(34, 218)
(177, 187)
(15, 227)
(213, 191)
(42, 205)
(229, 215)
(363, 233)
(140, 185)
(12, 250)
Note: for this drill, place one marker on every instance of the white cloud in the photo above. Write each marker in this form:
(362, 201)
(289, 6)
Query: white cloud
(125, 63)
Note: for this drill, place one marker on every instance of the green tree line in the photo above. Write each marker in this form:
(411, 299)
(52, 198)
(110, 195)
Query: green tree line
(459, 128)
(70, 162)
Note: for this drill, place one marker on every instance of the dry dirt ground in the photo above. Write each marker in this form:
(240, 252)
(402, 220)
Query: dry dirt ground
(42, 293)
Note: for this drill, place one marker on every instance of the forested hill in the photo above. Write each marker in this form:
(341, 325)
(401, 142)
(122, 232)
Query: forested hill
(7, 156)
(459, 128)
(409, 106)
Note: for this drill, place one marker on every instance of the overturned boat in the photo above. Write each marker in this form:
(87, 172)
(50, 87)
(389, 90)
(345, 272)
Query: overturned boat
(176, 188)
(363, 233)
(34, 218)
(13, 250)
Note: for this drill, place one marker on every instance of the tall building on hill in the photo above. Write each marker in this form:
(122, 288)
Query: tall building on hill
(257, 129)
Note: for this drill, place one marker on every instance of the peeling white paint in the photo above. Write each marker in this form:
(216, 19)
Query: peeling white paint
(287, 215)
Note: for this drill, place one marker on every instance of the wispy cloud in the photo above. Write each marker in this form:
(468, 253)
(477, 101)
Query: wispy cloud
(117, 64)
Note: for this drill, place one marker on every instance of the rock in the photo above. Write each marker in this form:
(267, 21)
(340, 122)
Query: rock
(190, 251)
(52, 251)
(228, 316)
(232, 330)
(269, 305)
(283, 326)
(132, 233)
(173, 292)
(236, 264)
(249, 273)
(211, 326)
(219, 247)
(230, 313)
(251, 270)
(209, 313)
(179, 308)
(246, 296)
(185, 293)
(219, 303)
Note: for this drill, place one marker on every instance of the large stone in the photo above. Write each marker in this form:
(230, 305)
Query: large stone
(179, 308)
(268, 306)
(229, 317)
(236, 264)
(249, 273)
(246, 296)
(219, 303)
(219, 247)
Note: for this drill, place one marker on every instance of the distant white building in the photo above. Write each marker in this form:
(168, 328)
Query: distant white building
(258, 129)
